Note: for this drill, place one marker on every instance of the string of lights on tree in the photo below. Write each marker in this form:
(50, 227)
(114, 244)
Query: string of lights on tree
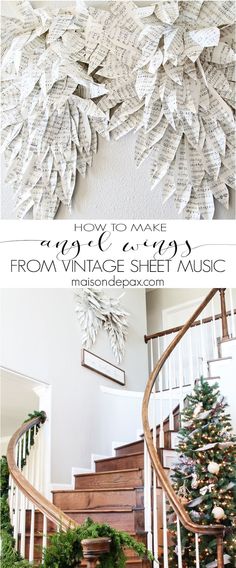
(204, 476)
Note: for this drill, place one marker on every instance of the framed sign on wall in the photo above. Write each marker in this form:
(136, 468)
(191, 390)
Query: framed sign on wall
(102, 367)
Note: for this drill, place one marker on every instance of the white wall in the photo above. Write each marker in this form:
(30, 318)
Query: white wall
(42, 340)
(166, 298)
(114, 187)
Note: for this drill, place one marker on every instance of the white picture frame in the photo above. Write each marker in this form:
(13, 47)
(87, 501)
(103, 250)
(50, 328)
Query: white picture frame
(102, 367)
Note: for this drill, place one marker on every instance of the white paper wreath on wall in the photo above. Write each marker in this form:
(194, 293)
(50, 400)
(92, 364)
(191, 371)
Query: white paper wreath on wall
(96, 311)
(166, 70)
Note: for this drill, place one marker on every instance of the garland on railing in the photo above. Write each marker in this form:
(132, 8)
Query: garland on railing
(10, 558)
(65, 547)
(165, 70)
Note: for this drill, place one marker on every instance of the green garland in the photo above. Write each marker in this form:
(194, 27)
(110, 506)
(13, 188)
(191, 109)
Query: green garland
(9, 556)
(65, 548)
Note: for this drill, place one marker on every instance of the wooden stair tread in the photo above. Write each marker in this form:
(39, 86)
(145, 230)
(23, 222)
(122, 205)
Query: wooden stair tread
(141, 441)
(104, 510)
(118, 457)
(108, 472)
(97, 490)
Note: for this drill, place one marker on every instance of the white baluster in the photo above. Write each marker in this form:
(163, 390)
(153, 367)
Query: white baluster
(213, 329)
(170, 371)
(203, 350)
(45, 529)
(165, 533)
(190, 355)
(179, 544)
(181, 378)
(17, 454)
(147, 497)
(233, 333)
(32, 524)
(37, 461)
(161, 431)
(197, 551)
(154, 505)
(24, 447)
(11, 498)
(22, 524)
(16, 517)
(32, 460)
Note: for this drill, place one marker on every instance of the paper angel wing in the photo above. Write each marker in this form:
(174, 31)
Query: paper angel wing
(50, 120)
(170, 75)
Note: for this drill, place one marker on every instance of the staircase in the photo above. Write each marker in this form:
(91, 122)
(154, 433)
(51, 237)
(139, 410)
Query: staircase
(131, 491)
(113, 494)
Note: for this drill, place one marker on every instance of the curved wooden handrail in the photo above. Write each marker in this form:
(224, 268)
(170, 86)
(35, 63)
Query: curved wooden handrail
(217, 530)
(43, 505)
(196, 323)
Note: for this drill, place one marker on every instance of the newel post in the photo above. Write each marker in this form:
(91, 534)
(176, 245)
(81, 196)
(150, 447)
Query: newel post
(225, 331)
(93, 548)
(220, 551)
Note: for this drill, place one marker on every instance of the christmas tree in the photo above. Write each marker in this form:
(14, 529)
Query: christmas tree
(204, 476)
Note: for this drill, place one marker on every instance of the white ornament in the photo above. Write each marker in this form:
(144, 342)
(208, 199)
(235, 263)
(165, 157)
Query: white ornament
(213, 467)
(207, 488)
(218, 513)
(197, 409)
(195, 481)
(95, 310)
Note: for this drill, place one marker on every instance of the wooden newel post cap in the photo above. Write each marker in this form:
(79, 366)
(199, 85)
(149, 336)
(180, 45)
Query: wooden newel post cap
(93, 548)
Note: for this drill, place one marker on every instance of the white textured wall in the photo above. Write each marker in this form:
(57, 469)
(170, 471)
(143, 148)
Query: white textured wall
(162, 299)
(42, 340)
(113, 186)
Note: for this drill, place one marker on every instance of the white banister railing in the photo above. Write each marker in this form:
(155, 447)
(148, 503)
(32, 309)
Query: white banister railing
(25, 457)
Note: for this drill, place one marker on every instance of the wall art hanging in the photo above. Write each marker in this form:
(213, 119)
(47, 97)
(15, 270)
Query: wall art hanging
(166, 70)
(50, 120)
(95, 311)
(102, 367)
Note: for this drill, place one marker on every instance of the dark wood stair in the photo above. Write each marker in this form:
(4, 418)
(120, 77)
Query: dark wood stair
(113, 494)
